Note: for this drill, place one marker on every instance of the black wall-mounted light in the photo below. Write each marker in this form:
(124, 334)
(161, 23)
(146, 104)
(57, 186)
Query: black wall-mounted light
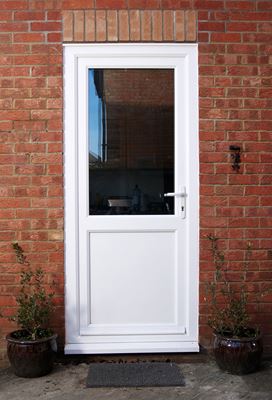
(236, 157)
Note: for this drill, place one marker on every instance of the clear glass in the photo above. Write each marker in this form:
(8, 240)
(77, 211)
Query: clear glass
(131, 141)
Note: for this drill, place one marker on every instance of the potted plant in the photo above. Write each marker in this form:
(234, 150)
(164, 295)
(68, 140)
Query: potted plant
(31, 348)
(237, 344)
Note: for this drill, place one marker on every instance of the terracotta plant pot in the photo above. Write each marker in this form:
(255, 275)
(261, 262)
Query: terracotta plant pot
(31, 358)
(238, 356)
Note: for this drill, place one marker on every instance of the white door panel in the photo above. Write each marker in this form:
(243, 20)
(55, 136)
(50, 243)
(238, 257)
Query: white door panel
(131, 253)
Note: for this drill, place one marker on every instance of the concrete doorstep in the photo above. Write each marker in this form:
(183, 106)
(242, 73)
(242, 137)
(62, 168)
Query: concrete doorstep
(204, 381)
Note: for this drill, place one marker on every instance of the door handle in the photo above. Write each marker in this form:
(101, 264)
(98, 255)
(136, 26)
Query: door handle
(175, 194)
(182, 204)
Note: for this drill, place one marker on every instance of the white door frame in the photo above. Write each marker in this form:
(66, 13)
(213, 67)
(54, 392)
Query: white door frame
(183, 58)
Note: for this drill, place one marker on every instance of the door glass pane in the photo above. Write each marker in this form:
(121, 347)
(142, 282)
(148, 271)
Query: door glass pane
(131, 141)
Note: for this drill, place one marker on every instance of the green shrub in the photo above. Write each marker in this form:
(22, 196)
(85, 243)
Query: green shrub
(35, 305)
(229, 315)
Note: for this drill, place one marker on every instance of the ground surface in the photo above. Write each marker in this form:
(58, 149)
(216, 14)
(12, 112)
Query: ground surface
(204, 381)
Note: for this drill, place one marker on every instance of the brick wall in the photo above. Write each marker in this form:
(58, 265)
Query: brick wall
(235, 82)
(31, 183)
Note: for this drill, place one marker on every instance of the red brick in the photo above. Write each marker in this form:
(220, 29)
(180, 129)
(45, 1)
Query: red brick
(14, 5)
(15, 48)
(266, 92)
(156, 26)
(77, 4)
(54, 15)
(7, 214)
(213, 179)
(242, 70)
(54, 124)
(48, 202)
(264, 5)
(242, 48)
(134, 23)
(14, 115)
(203, 37)
(180, 25)
(211, 26)
(123, 24)
(257, 190)
(55, 169)
(29, 15)
(146, 25)
(14, 71)
(29, 37)
(13, 27)
(212, 70)
(54, 37)
(29, 126)
(258, 125)
(214, 113)
(242, 26)
(226, 37)
(90, 26)
(45, 26)
(112, 33)
(229, 125)
(168, 25)
(46, 136)
(5, 59)
(5, 104)
(257, 37)
(175, 4)
(101, 28)
(46, 158)
(34, 236)
(242, 92)
(111, 4)
(30, 59)
(5, 16)
(5, 37)
(190, 21)
(250, 16)
(55, 147)
(54, 103)
(211, 48)
(78, 26)
(29, 82)
(68, 26)
(30, 148)
(144, 4)
(209, 4)
(45, 114)
(240, 5)
(14, 203)
(265, 201)
(30, 170)
(45, 4)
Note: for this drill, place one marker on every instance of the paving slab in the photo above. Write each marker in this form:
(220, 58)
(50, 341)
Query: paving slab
(204, 381)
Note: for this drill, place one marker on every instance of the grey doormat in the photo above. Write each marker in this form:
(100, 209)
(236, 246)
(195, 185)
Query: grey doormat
(134, 374)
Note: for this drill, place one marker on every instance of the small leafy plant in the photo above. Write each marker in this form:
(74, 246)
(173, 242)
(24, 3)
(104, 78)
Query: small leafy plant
(229, 315)
(35, 305)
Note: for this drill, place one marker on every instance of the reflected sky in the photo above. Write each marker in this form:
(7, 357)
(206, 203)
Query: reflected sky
(95, 120)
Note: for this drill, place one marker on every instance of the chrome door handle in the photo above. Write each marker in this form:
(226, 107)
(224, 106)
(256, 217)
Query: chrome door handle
(182, 201)
(175, 194)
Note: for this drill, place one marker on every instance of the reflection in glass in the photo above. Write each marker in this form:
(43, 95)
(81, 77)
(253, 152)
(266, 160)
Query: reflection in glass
(131, 141)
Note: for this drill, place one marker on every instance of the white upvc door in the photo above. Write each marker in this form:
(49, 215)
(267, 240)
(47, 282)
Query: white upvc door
(131, 259)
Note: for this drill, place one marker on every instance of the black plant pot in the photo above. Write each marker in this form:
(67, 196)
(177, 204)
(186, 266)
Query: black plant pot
(31, 358)
(238, 356)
